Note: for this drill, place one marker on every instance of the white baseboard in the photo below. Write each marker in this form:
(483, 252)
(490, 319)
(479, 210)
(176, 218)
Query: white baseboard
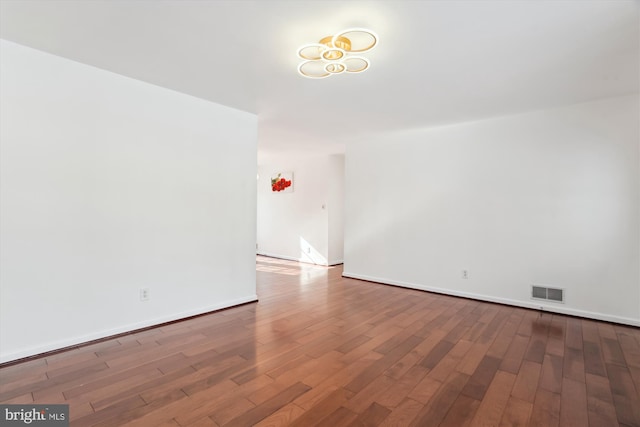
(271, 255)
(303, 260)
(535, 305)
(75, 341)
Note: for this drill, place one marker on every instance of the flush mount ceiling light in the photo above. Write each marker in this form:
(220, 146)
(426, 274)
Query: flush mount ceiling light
(337, 54)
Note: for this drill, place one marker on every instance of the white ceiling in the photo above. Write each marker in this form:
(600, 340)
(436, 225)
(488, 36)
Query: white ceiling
(437, 62)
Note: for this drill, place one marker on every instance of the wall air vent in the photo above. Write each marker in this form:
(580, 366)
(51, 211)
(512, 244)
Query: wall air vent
(547, 294)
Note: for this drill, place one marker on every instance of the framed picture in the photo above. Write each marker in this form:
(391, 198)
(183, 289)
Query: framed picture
(282, 182)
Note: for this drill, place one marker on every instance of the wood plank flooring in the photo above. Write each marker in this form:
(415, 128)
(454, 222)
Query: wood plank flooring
(319, 349)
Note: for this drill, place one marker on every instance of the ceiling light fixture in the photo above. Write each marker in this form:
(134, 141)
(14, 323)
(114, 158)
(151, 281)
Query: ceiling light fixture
(337, 54)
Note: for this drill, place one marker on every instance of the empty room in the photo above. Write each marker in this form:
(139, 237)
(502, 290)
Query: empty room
(332, 213)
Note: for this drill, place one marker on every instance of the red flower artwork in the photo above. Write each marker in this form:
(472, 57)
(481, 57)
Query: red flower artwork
(279, 183)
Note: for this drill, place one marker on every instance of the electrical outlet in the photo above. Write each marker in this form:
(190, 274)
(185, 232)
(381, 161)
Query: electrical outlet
(465, 274)
(144, 294)
(308, 250)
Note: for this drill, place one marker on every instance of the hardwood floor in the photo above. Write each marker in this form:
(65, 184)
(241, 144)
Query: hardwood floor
(319, 349)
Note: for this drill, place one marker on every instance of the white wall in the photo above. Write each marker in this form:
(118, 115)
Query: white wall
(336, 208)
(549, 197)
(296, 225)
(109, 185)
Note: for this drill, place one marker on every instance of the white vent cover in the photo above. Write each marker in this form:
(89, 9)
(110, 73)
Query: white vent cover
(547, 294)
